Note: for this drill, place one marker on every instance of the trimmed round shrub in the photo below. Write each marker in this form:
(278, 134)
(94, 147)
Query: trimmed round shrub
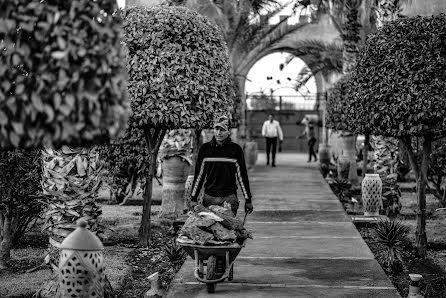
(178, 66)
(62, 77)
(398, 86)
(338, 107)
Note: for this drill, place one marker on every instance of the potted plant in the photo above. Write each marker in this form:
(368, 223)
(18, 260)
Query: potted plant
(176, 157)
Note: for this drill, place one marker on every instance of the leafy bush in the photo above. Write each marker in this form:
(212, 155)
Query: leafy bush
(126, 161)
(337, 105)
(392, 234)
(174, 252)
(391, 195)
(20, 192)
(341, 188)
(62, 78)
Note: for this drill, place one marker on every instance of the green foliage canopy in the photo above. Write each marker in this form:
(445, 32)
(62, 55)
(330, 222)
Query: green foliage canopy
(20, 189)
(178, 66)
(398, 86)
(338, 105)
(62, 79)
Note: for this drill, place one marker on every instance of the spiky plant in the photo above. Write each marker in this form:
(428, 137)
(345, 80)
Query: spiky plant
(391, 234)
(174, 252)
(70, 181)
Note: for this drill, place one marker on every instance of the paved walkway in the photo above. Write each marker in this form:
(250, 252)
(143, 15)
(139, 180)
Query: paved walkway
(304, 243)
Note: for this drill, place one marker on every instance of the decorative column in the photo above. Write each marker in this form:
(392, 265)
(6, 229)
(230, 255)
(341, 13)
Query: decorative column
(371, 194)
(81, 264)
(324, 148)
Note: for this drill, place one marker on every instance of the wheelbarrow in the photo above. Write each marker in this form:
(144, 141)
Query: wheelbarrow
(218, 260)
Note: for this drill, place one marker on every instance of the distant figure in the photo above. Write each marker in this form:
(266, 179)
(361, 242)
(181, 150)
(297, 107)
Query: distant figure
(271, 131)
(311, 137)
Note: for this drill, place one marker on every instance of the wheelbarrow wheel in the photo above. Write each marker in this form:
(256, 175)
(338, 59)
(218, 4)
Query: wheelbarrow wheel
(211, 273)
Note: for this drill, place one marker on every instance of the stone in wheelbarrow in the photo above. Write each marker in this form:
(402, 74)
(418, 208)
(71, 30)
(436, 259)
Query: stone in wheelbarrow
(198, 235)
(221, 233)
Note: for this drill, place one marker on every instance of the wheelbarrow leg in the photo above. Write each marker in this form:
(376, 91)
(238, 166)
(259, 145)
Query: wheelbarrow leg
(231, 273)
(211, 273)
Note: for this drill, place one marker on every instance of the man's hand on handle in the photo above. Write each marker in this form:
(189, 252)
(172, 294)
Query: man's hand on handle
(248, 207)
(192, 205)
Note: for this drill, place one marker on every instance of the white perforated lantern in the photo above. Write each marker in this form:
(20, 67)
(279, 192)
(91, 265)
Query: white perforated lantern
(81, 264)
(372, 194)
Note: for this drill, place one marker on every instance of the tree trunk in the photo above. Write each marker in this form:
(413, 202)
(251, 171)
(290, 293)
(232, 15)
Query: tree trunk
(153, 137)
(144, 230)
(197, 142)
(6, 241)
(365, 155)
(421, 238)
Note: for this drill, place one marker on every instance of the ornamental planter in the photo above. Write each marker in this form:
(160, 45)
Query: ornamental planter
(347, 167)
(175, 172)
(250, 150)
(371, 194)
(324, 154)
(81, 264)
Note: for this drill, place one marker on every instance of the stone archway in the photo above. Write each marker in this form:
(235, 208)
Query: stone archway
(322, 31)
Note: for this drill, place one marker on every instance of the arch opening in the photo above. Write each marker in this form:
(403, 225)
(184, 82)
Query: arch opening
(271, 84)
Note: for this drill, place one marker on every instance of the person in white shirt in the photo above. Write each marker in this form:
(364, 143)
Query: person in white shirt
(271, 131)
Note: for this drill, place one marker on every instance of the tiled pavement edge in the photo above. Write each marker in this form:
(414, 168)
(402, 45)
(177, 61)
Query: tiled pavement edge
(304, 244)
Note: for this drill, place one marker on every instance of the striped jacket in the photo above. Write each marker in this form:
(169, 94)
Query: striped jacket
(219, 167)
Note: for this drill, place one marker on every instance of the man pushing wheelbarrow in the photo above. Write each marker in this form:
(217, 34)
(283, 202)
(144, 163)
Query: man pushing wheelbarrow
(212, 235)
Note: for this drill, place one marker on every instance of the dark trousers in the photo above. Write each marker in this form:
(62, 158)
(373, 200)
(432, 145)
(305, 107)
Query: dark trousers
(311, 152)
(271, 142)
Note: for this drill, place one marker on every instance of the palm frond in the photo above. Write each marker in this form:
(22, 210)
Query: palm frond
(250, 26)
(265, 42)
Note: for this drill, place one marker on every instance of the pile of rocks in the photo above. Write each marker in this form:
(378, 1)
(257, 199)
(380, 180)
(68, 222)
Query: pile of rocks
(214, 225)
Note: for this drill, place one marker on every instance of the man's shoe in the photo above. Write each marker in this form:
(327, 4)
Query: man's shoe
(273, 165)
(267, 163)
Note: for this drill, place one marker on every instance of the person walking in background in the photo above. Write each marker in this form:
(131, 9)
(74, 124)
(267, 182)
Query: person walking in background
(311, 137)
(271, 131)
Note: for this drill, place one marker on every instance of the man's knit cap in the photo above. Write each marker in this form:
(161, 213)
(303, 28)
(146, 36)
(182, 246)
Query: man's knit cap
(222, 121)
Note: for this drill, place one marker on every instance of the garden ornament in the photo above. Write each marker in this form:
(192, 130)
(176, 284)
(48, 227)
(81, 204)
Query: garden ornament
(414, 287)
(154, 286)
(81, 264)
(372, 194)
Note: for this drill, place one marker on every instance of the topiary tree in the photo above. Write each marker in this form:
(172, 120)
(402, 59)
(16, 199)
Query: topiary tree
(62, 79)
(20, 192)
(61, 74)
(179, 78)
(397, 90)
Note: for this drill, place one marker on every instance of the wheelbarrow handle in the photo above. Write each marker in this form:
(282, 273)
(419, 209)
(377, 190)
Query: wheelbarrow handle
(244, 219)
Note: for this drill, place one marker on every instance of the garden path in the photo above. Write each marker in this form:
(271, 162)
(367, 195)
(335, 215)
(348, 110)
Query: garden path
(304, 243)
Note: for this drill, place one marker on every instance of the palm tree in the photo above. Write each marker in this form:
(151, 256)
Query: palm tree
(247, 30)
(70, 180)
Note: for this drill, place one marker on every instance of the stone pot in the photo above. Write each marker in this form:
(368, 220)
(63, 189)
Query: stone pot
(251, 152)
(324, 154)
